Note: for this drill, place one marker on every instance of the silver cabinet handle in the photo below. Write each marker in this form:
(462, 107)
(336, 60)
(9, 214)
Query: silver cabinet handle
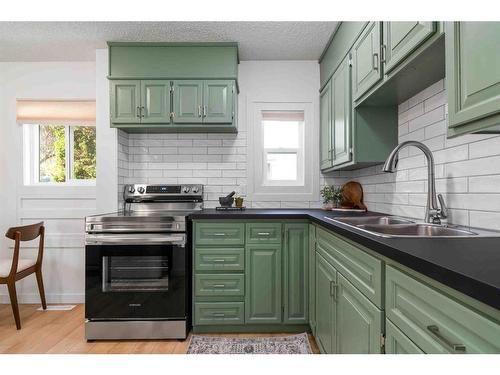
(375, 61)
(219, 234)
(199, 111)
(204, 111)
(219, 285)
(333, 289)
(454, 347)
(218, 260)
(264, 234)
(138, 112)
(142, 111)
(383, 53)
(221, 315)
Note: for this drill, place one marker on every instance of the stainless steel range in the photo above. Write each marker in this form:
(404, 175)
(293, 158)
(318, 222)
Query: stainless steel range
(137, 265)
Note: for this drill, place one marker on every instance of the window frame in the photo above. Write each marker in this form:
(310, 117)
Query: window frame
(31, 156)
(306, 189)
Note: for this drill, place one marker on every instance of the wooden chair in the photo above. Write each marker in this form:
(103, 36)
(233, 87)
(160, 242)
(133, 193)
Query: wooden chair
(10, 272)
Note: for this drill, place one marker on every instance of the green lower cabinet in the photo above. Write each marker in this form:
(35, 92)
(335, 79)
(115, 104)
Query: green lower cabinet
(296, 268)
(219, 285)
(326, 280)
(263, 284)
(312, 278)
(396, 342)
(218, 313)
(359, 322)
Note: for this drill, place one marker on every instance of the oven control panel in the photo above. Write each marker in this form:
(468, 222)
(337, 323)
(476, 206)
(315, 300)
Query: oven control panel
(138, 192)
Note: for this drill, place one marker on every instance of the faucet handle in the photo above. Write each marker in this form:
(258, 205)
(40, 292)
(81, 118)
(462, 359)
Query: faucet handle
(444, 210)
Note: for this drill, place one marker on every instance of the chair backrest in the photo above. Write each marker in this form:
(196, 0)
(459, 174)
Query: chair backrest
(28, 232)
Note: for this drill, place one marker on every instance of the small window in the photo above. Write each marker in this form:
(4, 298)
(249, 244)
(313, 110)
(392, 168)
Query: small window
(59, 153)
(283, 133)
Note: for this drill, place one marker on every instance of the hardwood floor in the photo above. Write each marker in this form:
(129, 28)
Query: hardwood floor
(62, 332)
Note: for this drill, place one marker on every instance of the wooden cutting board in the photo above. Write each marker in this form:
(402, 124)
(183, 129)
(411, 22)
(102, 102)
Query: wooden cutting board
(352, 196)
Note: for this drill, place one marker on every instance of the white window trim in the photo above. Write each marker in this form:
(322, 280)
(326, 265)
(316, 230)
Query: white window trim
(281, 191)
(31, 140)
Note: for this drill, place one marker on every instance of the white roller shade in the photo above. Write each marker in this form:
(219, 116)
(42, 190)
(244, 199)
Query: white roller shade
(283, 115)
(63, 112)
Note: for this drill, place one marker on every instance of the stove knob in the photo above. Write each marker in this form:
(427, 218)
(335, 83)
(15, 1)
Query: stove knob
(131, 189)
(186, 189)
(141, 190)
(196, 190)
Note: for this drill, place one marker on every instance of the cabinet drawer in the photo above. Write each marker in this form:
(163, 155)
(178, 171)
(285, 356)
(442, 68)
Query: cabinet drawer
(219, 259)
(263, 233)
(361, 269)
(435, 322)
(218, 313)
(219, 285)
(219, 234)
(396, 342)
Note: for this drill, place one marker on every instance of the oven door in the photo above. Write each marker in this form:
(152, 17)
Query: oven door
(135, 277)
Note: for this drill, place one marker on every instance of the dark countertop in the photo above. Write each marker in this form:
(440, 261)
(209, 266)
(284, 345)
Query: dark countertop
(470, 265)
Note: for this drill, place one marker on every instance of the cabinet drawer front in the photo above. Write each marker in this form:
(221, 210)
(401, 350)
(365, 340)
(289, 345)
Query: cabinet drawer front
(219, 259)
(219, 233)
(263, 233)
(435, 322)
(360, 268)
(396, 342)
(219, 285)
(218, 313)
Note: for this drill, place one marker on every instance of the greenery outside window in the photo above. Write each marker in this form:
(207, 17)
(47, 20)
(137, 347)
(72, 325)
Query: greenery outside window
(56, 154)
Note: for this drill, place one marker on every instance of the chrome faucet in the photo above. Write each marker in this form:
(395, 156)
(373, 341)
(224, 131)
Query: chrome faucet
(433, 214)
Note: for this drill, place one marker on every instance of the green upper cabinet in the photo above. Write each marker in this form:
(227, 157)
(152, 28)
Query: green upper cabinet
(295, 258)
(188, 102)
(367, 69)
(263, 283)
(402, 38)
(218, 97)
(155, 102)
(472, 76)
(326, 284)
(359, 322)
(125, 101)
(326, 127)
(341, 113)
(173, 87)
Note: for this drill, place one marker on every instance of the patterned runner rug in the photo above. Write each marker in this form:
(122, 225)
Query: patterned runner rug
(295, 344)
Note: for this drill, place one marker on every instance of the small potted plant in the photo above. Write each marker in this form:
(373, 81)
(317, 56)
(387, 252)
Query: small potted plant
(327, 194)
(337, 196)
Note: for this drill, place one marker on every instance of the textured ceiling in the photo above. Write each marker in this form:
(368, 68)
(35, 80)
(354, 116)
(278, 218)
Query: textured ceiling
(77, 41)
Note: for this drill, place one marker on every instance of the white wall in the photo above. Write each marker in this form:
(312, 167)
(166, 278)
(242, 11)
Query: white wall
(62, 208)
(467, 168)
(220, 161)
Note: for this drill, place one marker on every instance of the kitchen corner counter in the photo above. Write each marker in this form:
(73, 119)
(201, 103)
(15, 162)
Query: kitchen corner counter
(470, 265)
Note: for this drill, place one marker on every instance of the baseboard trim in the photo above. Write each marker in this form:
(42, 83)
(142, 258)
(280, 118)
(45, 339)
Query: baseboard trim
(33, 298)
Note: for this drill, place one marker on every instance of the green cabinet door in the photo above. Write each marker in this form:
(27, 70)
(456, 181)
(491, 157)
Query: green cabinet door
(326, 282)
(125, 102)
(341, 113)
(295, 259)
(366, 69)
(359, 322)
(473, 74)
(402, 38)
(312, 278)
(325, 104)
(218, 97)
(263, 283)
(187, 101)
(396, 342)
(155, 103)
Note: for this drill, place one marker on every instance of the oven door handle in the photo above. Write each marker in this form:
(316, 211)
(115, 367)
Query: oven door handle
(136, 239)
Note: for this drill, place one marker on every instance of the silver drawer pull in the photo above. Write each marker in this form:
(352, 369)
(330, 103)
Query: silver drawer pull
(264, 234)
(218, 260)
(221, 315)
(454, 347)
(219, 285)
(375, 61)
(219, 234)
(333, 289)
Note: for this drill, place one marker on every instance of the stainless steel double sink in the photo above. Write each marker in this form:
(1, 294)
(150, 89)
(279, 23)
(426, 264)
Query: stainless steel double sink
(390, 226)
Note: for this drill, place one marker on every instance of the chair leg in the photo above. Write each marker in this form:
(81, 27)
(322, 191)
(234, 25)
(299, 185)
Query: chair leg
(41, 289)
(13, 301)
